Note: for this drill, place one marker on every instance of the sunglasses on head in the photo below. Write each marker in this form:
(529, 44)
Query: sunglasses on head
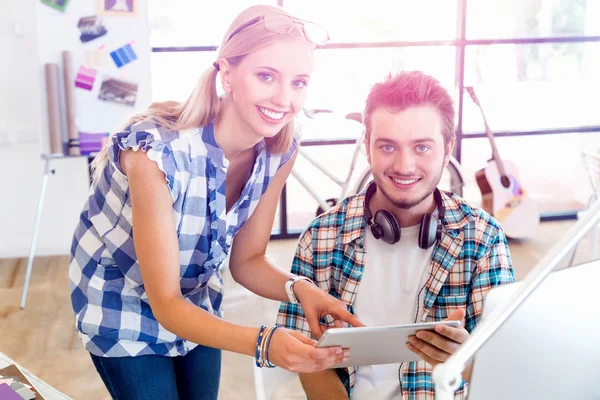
(284, 24)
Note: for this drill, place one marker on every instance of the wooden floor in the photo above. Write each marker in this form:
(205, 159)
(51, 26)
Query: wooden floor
(42, 337)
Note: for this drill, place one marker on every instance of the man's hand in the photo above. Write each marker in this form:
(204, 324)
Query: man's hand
(436, 347)
(316, 303)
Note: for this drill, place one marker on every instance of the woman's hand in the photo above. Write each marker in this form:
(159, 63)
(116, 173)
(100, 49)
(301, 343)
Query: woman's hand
(297, 353)
(316, 303)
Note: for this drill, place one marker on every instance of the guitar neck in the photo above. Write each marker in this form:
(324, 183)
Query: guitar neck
(495, 154)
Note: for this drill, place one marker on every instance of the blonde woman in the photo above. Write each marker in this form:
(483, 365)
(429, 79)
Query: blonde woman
(169, 196)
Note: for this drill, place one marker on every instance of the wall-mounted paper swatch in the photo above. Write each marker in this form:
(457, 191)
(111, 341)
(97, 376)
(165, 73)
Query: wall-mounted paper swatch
(117, 7)
(91, 28)
(123, 55)
(60, 5)
(92, 142)
(118, 91)
(95, 58)
(85, 78)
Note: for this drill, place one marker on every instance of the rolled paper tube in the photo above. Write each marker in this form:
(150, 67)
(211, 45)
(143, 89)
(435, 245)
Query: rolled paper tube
(53, 106)
(74, 143)
(69, 80)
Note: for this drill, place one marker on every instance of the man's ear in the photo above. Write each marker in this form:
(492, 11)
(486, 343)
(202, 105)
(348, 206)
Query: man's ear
(225, 74)
(449, 149)
(368, 149)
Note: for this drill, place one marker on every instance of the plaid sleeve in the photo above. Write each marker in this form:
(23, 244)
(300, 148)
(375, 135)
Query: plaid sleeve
(157, 143)
(493, 268)
(291, 315)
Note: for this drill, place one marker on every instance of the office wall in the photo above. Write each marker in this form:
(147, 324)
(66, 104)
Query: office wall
(31, 34)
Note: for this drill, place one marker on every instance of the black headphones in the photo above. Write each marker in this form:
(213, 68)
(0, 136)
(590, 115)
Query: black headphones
(385, 226)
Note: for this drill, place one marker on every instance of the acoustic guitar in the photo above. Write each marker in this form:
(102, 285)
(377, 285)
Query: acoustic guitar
(503, 196)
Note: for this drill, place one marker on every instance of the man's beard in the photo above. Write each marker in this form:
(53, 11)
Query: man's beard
(408, 204)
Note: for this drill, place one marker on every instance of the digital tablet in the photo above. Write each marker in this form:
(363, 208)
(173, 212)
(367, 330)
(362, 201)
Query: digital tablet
(372, 345)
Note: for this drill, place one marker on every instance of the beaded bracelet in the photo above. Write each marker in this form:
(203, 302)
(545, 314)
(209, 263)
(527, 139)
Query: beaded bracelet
(259, 339)
(269, 363)
(263, 342)
(263, 346)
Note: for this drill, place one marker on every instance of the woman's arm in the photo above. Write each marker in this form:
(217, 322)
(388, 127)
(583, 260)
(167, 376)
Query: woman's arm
(157, 249)
(251, 267)
(248, 263)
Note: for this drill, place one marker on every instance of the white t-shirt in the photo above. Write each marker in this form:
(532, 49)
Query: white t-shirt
(389, 293)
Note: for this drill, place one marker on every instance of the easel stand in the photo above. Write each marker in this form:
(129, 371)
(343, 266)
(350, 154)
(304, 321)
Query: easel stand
(36, 227)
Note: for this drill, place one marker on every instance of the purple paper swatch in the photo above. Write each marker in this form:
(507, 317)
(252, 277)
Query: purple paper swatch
(85, 78)
(92, 143)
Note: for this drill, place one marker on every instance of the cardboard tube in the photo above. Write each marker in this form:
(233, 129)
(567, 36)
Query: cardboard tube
(69, 80)
(53, 106)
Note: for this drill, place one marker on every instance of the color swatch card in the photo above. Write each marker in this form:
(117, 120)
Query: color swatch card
(91, 143)
(118, 91)
(91, 28)
(85, 78)
(95, 58)
(123, 55)
(6, 393)
(12, 381)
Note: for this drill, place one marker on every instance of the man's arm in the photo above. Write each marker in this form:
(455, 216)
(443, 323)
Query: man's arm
(325, 384)
(494, 268)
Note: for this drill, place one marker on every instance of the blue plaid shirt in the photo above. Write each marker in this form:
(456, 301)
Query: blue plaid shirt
(113, 316)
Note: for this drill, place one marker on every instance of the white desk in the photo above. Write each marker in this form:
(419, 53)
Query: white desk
(45, 390)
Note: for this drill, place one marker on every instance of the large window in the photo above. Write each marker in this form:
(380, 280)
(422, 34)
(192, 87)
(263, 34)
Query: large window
(532, 63)
(343, 77)
(174, 75)
(511, 19)
(533, 86)
(181, 23)
(361, 21)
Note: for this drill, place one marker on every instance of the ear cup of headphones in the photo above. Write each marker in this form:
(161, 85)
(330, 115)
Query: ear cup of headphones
(388, 226)
(428, 232)
(376, 231)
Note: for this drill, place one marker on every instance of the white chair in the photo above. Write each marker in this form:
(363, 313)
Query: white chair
(591, 162)
(266, 380)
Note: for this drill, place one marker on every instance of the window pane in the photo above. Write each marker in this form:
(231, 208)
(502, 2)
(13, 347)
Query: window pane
(532, 18)
(524, 87)
(380, 20)
(174, 75)
(550, 167)
(343, 77)
(192, 22)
